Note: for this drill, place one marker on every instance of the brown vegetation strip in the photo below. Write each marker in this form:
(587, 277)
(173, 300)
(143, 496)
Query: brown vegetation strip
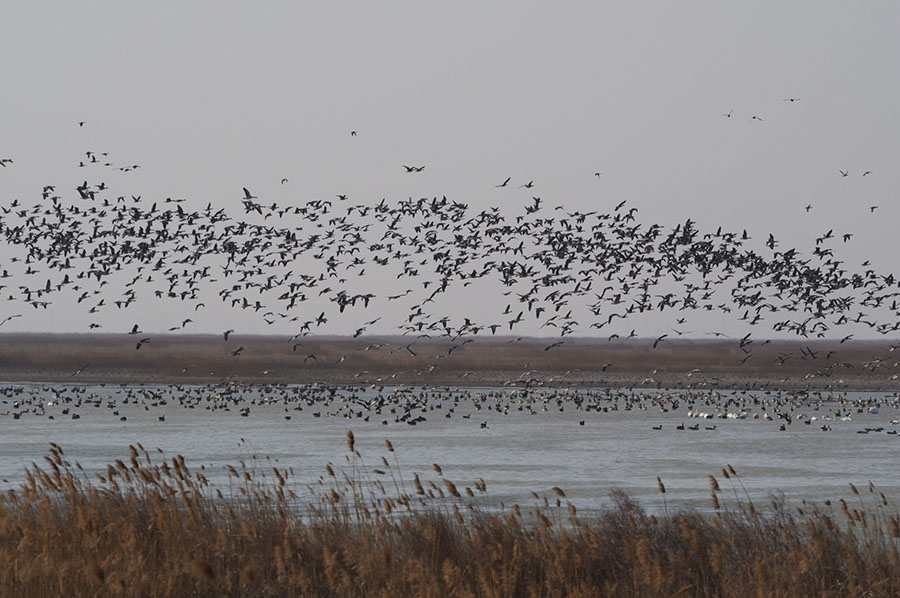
(148, 528)
(484, 361)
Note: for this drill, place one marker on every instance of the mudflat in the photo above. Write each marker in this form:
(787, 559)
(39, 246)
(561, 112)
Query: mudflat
(472, 361)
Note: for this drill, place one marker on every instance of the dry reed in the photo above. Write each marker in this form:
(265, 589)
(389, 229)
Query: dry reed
(148, 527)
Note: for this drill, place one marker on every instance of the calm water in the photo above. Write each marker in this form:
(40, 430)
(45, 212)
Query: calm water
(517, 452)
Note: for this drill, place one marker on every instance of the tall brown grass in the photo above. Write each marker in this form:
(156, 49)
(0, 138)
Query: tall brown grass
(150, 527)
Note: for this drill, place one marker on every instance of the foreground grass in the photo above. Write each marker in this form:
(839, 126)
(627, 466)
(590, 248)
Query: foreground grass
(148, 528)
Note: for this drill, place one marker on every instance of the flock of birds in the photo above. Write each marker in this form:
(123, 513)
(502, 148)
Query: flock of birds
(299, 266)
(567, 271)
(410, 406)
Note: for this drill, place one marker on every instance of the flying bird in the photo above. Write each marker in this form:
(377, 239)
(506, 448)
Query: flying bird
(8, 318)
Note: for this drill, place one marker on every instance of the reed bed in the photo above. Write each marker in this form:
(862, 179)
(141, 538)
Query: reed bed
(492, 361)
(152, 526)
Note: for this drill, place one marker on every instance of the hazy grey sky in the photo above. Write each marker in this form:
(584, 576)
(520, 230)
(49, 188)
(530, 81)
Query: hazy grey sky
(211, 97)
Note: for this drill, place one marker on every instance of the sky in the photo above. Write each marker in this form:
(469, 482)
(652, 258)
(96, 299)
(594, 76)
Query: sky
(211, 97)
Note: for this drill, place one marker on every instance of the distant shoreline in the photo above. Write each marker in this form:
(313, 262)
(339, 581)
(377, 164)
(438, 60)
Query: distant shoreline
(465, 362)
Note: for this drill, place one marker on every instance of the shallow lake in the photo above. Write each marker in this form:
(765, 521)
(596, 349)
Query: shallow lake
(586, 442)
